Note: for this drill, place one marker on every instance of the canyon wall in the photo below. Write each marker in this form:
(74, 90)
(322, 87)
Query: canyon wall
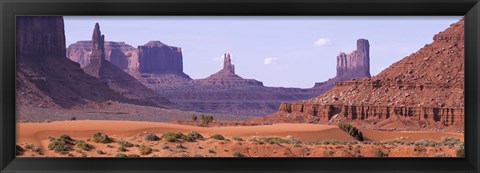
(423, 91)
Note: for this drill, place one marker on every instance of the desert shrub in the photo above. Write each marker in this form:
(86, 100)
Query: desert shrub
(236, 138)
(274, 140)
(122, 149)
(144, 150)
(151, 137)
(193, 135)
(120, 155)
(101, 138)
(425, 142)
(29, 146)
(173, 137)
(61, 144)
(450, 141)
(329, 152)
(166, 147)
(125, 144)
(217, 137)
(352, 131)
(206, 119)
(194, 118)
(237, 154)
(83, 145)
(460, 152)
(18, 150)
(180, 146)
(100, 152)
(133, 155)
(378, 153)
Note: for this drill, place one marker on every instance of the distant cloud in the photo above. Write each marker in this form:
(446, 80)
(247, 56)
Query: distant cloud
(270, 60)
(322, 42)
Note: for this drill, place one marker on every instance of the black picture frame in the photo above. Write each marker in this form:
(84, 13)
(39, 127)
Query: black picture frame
(11, 8)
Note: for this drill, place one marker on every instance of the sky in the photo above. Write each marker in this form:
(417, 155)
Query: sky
(280, 51)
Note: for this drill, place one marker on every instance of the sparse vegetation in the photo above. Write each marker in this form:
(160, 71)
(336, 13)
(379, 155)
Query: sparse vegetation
(125, 144)
(83, 145)
(144, 150)
(217, 137)
(120, 155)
(133, 155)
(425, 142)
(166, 147)
(236, 138)
(237, 154)
(100, 152)
(352, 131)
(151, 137)
(460, 152)
(174, 137)
(378, 153)
(450, 141)
(206, 120)
(61, 144)
(101, 138)
(122, 149)
(180, 146)
(193, 135)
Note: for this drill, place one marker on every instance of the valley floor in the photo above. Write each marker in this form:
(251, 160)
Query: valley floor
(277, 140)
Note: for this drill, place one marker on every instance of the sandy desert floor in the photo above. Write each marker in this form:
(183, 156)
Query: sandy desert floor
(278, 140)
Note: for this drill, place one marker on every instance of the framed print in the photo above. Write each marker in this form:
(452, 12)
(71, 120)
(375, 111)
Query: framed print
(249, 86)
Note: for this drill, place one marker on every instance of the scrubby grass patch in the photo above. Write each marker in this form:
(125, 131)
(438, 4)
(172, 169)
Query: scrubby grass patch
(217, 137)
(144, 150)
(125, 144)
(378, 153)
(238, 154)
(101, 138)
(151, 137)
(426, 142)
(174, 137)
(193, 135)
(450, 141)
(121, 155)
(460, 152)
(83, 145)
(62, 144)
(236, 138)
(352, 131)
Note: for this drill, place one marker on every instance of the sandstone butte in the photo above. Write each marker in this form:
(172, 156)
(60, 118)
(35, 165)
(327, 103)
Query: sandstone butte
(47, 78)
(423, 91)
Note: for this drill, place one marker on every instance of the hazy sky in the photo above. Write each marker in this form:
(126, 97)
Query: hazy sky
(279, 51)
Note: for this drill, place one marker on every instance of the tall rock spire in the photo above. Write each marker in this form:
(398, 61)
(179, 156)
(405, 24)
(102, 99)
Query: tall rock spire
(98, 46)
(227, 64)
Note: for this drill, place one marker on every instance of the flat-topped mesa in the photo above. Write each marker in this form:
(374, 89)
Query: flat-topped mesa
(355, 64)
(156, 57)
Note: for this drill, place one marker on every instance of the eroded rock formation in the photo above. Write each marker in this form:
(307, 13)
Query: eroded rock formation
(44, 76)
(423, 91)
(117, 79)
(158, 58)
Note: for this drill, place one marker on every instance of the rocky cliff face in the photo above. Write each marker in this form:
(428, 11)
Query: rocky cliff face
(156, 57)
(423, 91)
(120, 54)
(45, 77)
(117, 79)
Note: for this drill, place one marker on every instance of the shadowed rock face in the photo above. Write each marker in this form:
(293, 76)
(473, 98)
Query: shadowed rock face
(45, 77)
(117, 79)
(423, 91)
(158, 58)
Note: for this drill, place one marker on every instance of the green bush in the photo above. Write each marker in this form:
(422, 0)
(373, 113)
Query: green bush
(378, 153)
(450, 141)
(217, 137)
(193, 135)
(151, 137)
(125, 144)
(352, 131)
(173, 137)
(460, 152)
(101, 138)
(122, 149)
(100, 152)
(83, 145)
(237, 154)
(236, 138)
(144, 150)
(60, 145)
